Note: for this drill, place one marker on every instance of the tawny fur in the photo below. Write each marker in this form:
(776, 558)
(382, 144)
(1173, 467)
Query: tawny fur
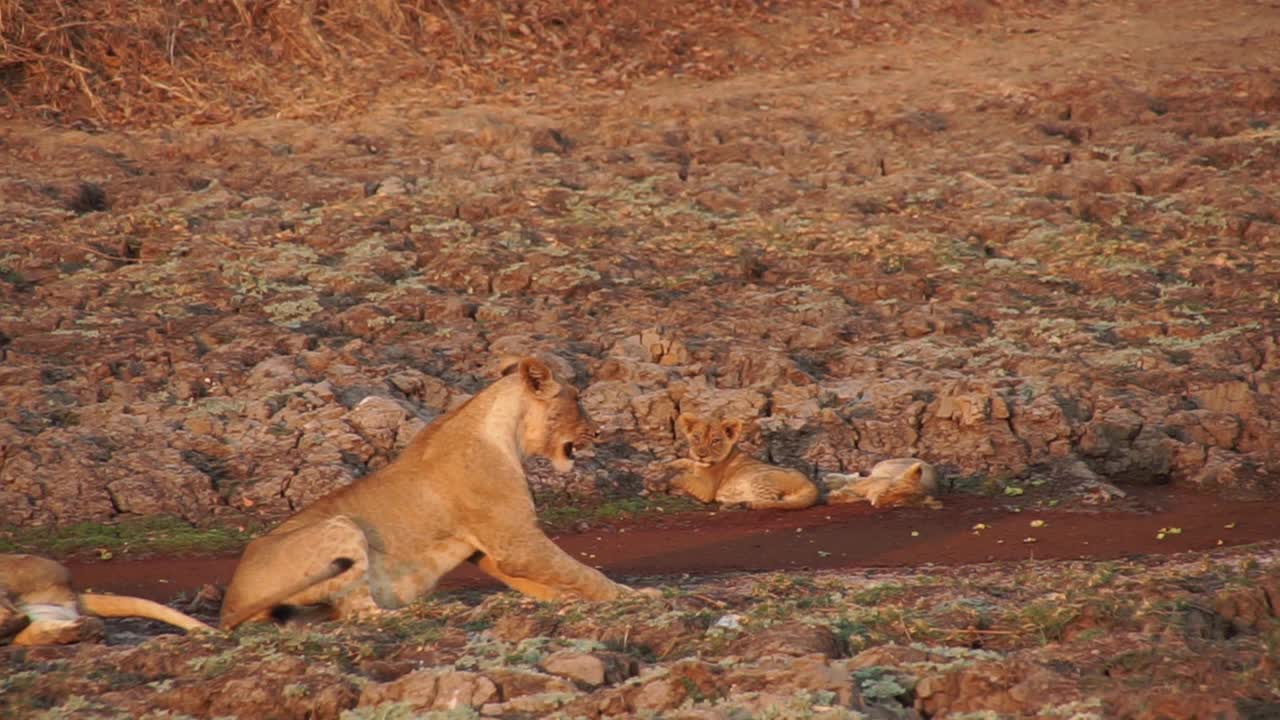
(457, 492)
(891, 483)
(38, 606)
(716, 471)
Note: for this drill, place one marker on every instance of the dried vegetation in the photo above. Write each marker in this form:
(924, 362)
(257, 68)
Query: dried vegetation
(114, 62)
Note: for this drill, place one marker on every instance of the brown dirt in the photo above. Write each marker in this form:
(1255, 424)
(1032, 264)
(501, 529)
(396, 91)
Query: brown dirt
(1035, 243)
(837, 537)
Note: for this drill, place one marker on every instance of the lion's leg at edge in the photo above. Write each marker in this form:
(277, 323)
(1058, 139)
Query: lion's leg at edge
(531, 588)
(533, 557)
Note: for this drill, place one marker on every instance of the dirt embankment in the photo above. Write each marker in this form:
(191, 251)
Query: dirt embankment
(1035, 245)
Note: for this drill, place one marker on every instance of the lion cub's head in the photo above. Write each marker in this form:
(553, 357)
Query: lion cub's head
(555, 425)
(710, 441)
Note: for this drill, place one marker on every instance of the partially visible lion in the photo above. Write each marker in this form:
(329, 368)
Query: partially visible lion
(716, 471)
(38, 606)
(891, 483)
(457, 492)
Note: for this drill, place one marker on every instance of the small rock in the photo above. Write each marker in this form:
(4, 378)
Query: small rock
(789, 638)
(392, 186)
(378, 420)
(590, 669)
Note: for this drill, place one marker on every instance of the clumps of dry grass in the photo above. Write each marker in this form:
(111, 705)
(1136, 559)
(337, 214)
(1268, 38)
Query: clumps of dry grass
(122, 61)
(146, 62)
(129, 62)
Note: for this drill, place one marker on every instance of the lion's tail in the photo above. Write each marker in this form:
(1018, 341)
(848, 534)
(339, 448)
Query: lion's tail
(330, 571)
(126, 606)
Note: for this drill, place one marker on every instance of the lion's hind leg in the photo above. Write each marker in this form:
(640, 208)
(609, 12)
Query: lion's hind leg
(57, 624)
(782, 491)
(798, 492)
(856, 489)
(282, 574)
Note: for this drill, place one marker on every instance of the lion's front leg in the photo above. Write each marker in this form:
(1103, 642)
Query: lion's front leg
(531, 588)
(673, 470)
(529, 562)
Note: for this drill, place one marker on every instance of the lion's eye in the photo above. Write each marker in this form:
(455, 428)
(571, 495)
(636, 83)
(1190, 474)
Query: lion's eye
(568, 450)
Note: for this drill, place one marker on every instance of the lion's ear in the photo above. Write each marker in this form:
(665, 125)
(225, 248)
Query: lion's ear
(538, 378)
(686, 424)
(914, 473)
(507, 364)
(732, 429)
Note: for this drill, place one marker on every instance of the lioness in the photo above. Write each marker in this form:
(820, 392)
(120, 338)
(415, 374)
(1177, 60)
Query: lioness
(891, 483)
(38, 606)
(717, 471)
(457, 492)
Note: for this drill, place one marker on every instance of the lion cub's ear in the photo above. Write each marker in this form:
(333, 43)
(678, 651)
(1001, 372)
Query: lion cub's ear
(687, 424)
(914, 473)
(732, 429)
(538, 378)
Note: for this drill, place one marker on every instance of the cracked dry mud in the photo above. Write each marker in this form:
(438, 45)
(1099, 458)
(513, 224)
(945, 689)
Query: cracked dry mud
(1036, 244)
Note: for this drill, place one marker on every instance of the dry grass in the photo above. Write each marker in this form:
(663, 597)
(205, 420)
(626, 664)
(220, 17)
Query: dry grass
(113, 62)
(148, 62)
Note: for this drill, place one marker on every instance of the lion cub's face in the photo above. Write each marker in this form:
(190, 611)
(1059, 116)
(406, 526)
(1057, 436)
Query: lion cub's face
(709, 441)
(555, 425)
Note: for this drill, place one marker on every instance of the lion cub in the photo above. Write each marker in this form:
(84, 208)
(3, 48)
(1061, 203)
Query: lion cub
(38, 606)
(717, 471)
(891, 483)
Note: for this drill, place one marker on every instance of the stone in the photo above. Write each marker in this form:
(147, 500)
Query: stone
(378, 420)
(789, 638)
(432, 690)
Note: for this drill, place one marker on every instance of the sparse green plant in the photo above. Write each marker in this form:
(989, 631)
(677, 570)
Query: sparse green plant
(212, 666)
(1049, 618)
(881, 684)
(555, 514)
(529, 651)
(853, 633)
(1134, 661)
(155, 533)
(72, 707)
(1091, 635)
(1102, 576)
(878, 593)
(804, 704)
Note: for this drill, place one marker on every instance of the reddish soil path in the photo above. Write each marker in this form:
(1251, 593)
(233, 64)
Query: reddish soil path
(824, 538)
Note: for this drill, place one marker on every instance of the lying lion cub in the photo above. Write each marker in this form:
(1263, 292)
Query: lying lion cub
(38, 606)
(891, 483)
(456, 493)
(716, 470)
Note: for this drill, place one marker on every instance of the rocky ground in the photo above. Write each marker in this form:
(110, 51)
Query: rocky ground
(1180, 637)
(1004, 243)
(1035, 243)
